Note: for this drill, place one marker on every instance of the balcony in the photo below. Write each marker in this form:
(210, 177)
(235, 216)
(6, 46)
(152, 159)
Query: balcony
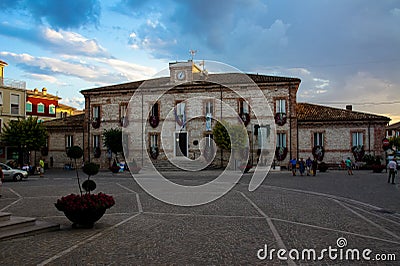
(12, 83)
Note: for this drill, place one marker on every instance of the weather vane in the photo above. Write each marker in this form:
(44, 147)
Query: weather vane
(192, 53)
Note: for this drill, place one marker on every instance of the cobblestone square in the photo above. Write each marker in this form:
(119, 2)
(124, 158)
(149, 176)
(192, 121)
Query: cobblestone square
(286, 212)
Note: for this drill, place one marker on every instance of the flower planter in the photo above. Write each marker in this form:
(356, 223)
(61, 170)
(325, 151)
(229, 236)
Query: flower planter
(96, 122)
(245, 118)
(84, 210)
(84, 218)
(154, 120)
(280, 119)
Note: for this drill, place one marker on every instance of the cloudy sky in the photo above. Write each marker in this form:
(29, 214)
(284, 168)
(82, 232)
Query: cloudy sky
(344, 51)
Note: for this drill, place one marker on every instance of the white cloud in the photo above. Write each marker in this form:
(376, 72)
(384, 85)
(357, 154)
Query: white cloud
(72, 43)
(395, 12)
(77, 102)
(46, 78)
(112, 71)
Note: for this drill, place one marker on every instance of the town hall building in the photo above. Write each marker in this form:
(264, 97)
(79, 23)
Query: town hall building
(301, 129)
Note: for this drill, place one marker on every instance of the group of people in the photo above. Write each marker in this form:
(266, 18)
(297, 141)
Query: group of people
(308, 166)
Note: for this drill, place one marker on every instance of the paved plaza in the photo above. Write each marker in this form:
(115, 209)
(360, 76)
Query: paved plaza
(295, 213)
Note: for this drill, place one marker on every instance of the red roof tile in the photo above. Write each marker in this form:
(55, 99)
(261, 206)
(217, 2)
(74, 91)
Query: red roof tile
(307, 112)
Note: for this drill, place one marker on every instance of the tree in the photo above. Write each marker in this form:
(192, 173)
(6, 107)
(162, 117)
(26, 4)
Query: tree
(76, 152)
(228, 136)
(221, 136)
(395, 141)
(113, 140)
(25, 134)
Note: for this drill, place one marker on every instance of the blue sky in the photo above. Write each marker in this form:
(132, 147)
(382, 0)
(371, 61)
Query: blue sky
(345, 51)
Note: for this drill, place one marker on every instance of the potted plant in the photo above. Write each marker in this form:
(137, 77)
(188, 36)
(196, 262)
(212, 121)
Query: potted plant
(84, 209)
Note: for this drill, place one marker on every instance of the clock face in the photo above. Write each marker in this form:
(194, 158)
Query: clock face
(181, 75)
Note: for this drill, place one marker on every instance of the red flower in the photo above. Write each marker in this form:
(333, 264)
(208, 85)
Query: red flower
(74, 202)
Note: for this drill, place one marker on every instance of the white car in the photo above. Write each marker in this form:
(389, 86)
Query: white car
(13, 174)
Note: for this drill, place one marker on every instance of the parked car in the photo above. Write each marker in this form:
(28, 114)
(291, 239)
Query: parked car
(12, 173)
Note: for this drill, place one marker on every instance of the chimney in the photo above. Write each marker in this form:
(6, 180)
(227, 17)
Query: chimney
(349, 107)
(35, 91)
(44, 91)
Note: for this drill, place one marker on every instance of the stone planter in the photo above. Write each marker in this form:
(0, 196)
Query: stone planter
(84, 218)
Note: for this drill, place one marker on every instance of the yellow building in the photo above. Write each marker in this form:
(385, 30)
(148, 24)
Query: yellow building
(63, 111)
(12, 106)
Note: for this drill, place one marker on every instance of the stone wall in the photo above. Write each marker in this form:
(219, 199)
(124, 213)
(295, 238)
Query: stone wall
(338, 139)
(195, 127)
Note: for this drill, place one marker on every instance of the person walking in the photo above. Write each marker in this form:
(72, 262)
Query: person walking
(349, 166)
(314, 166)
(392, 165)
(41, 167)
(308, 165)
(1, 181)
(302, 166)
(293, 163)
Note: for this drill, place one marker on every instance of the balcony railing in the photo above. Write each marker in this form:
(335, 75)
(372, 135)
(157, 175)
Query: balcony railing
(12, 83)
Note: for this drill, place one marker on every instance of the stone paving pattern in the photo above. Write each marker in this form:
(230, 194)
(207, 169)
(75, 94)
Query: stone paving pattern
(228, 231)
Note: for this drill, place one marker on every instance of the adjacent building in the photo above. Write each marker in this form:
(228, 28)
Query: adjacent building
(12, 107)
(63, 133)
(41, 104)
(335, 134)
(393, 130)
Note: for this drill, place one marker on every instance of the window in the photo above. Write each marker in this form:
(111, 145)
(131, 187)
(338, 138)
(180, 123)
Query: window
(52, 109)
(281, 106)
(155, 110)
(209, 113)
(96, 141)
(262, 136)
(28, 107)
(122, 111)
(243, 107)
(209, 140)
(15, 104)
(318, 139)
(96, 112)
(40, 108)
(209, 107)
(69, 141)
(357, 139)
(180, 114)
(281, 140)
(0, 125)
(153, 141)
(1, 98)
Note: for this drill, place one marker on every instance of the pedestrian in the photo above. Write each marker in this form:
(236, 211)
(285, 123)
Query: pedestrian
(293, 163)
(314, 166)
(41, 167)
(1, 181)
(302, 166)
(392, 165)
(349, 166)
(308, 165)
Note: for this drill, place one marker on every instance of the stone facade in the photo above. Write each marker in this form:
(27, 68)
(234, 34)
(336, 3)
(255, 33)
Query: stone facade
(339, 130)
(106, 104)
(63, 133)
